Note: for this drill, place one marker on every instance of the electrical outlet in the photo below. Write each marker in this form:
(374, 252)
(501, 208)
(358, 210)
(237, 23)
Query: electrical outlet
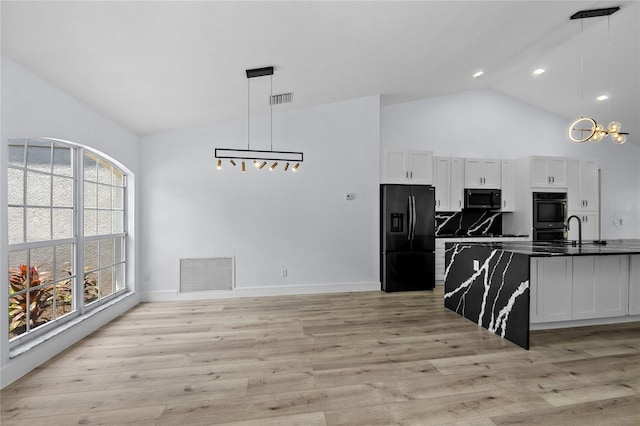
(283, 272)
(476, 265)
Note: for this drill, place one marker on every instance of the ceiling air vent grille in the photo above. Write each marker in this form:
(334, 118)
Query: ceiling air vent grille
(209, 274)
(282, 98)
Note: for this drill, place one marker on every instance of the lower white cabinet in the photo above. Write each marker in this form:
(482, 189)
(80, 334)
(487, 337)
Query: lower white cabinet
(584, 287)
(600, 286)
(634, 284)
(550, 289)
(590, 228)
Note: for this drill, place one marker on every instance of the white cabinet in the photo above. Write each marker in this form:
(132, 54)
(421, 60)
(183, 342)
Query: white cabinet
(600, 286)
(407, 167)
(551, 299)
(590, 226)
(634, 284)
(582, 179)
(448, 180)
(482, 173)
(548, 172)
(508, 185)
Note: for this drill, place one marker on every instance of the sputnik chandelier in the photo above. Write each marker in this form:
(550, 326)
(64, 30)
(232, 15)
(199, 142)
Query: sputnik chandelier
(585, 128)
(260, 158)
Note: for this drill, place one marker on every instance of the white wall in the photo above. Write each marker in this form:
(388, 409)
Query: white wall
(487, 124)
(267, 220)
(30, 107)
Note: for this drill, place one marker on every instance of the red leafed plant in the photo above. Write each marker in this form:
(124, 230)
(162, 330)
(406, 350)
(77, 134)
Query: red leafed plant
(39, 299)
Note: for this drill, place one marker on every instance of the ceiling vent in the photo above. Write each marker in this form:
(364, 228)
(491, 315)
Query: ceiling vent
(282, 98)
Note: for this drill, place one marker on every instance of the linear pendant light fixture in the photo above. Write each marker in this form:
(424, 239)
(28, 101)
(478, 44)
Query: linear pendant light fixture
(585, 128)
(260, 157)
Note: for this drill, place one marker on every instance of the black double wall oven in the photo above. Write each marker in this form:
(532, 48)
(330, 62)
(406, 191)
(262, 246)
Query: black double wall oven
(549, 216)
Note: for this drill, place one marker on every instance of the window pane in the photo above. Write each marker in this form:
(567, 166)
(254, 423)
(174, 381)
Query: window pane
(91, 255)
(118, 222)
(118, 178)
(106, 253)
(106, 282)
(90, 222)
(118, 198)
(90, 195)
(62, 223)
(119, 252)
(118, 276)
(39, 156)
(38, 224)
(62, 161)
(104, 222)
(38, 189)
(62, 191)
(64, 297)
(64, 262)
(15, 184)
(16, 153)
(42, 261)
(89, 167)
(104, 172)
(41, 304)
(90, 287)
(16, 225)
(104, 197)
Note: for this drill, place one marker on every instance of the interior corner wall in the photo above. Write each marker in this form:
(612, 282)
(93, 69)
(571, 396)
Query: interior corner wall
(31, 107)
(267, 220)
(488, 124)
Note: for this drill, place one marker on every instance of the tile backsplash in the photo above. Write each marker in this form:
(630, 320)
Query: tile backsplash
(475, 222)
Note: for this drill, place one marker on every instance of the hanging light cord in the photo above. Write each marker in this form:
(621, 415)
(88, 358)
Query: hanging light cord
(271, 111)
(609, 64)
(248, 112)
(582, 64)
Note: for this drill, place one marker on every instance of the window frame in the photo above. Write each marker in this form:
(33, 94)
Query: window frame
(78, 238)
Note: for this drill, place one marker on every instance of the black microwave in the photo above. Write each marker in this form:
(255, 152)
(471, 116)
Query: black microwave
(482, 199)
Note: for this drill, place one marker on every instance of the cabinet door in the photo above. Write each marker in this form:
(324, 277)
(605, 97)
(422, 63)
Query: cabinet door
(491, 172)
(421, 167)
(473, 173)
(585, 284)
(442, 178)
(394, 168)
(590, 226)
(613, 291)
(554, 288)
(634, 285)
(508, 187)
(457, 184)
(557, 170)
(539, 176)
(535, 307)
(589, 184)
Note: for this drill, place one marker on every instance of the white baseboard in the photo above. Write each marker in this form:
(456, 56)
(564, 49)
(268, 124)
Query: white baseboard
(583, 323)
(165, 296)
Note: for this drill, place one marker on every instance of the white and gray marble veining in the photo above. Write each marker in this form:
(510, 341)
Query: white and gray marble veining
(503, 315)
(484, 221)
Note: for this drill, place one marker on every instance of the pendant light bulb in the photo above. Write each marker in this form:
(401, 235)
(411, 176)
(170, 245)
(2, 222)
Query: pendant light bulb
(295, 168)
(232, 162)
(255, 163)
(273, 166)
(219, 166)
(286, 167)
(264, 163)
(243, 167)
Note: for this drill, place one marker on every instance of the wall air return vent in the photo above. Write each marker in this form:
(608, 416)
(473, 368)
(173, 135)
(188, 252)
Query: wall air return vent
(206, 275)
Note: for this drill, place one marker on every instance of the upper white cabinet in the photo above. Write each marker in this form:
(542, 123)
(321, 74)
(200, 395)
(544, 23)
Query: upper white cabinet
(407, 167)
(549, 172)
(582, 177)
(482, 173)
(448, 180)
(508, 186)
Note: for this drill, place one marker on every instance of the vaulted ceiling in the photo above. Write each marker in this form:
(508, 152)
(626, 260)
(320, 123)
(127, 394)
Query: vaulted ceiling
(155, 66)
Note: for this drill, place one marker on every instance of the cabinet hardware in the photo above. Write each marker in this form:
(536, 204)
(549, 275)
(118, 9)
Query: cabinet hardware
(411, 175)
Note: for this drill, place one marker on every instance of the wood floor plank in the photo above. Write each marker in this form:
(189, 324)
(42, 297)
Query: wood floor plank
(367, 358)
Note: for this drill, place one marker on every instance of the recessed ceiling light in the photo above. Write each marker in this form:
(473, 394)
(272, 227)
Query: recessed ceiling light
(602, 97)
(539, 71)
(478, 74)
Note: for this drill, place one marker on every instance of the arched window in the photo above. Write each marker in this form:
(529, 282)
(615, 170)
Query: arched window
(66, 231)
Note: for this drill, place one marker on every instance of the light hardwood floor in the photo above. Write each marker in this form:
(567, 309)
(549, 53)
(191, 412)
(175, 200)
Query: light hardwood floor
(340, 359)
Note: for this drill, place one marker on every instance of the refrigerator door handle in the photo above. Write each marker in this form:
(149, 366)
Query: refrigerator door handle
(410, 214)
(414, 217)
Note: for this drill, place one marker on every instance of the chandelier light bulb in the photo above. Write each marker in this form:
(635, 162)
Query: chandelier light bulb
(619, 139)
(219, 164)
(295, 168)
(261, 166)
(614, 127)
(232, 162)
(286, 167)
(273, 166)
(243, 167)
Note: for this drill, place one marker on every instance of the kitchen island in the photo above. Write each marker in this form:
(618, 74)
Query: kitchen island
(510, 288)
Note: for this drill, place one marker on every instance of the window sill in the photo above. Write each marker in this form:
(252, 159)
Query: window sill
(29, 345)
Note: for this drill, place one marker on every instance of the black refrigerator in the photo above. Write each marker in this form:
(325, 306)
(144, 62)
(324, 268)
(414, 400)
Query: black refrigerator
(407, 237)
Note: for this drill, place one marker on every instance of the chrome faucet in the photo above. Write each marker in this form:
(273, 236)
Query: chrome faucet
(579, 227)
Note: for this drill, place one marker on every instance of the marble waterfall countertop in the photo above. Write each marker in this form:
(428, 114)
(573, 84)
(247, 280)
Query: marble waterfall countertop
(542, 249)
